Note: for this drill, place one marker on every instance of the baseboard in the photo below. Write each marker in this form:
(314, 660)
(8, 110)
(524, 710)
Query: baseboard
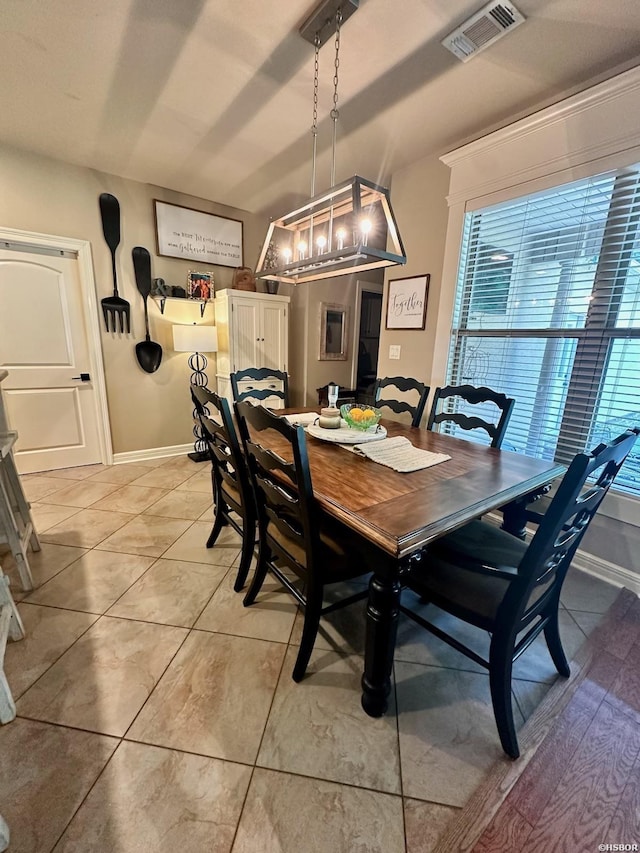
(152, 453)
(606, 571)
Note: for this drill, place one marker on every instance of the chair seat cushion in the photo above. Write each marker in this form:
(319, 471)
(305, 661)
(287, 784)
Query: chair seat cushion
(339, 557)
(228, 492)
(480, 540)
(444, 580)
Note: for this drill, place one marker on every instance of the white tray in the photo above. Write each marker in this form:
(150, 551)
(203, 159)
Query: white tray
(346, 435)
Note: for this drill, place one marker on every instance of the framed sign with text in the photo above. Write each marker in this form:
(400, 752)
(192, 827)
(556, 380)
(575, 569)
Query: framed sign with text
(194, 235)
(407, 302)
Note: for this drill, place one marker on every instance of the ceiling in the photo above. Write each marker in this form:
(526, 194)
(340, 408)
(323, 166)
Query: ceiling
(214, 97)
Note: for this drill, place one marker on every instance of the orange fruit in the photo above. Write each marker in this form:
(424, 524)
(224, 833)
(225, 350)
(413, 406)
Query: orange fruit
(356, 414)
(368, 413)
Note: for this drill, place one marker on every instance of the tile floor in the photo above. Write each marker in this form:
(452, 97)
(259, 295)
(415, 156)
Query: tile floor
(156, 713)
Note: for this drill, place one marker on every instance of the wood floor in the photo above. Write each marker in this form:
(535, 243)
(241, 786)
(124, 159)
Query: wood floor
(577, 784)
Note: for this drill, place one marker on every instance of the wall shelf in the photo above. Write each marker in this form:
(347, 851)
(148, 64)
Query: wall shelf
(162, 300)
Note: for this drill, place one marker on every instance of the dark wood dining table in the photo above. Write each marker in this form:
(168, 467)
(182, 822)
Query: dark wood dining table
(395, 515)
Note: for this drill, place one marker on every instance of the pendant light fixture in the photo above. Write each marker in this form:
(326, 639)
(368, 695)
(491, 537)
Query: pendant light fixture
(346, 228)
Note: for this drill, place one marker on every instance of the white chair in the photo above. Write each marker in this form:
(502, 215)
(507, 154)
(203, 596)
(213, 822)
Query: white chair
(4, 835)
(16, 524)
(11, 627)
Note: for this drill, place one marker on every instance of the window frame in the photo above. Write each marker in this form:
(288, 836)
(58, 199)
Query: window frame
(586, 376)
(587, 134)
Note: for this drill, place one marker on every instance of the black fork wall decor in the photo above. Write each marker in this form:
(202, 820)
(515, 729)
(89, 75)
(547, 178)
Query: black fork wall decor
(115, 309)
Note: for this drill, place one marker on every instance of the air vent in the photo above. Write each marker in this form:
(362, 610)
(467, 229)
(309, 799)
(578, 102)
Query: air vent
(482, 29)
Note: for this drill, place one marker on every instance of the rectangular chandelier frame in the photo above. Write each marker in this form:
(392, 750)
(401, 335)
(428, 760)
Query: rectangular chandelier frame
(330, 228)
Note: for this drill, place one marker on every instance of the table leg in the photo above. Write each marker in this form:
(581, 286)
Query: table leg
(514, 518)
(515, 514)
(382, 626)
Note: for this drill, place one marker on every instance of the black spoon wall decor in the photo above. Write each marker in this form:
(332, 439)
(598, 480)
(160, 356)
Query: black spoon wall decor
(148, 352)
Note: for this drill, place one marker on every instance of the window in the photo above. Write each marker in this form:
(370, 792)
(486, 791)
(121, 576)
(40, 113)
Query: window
(490, 281)
(548, 311)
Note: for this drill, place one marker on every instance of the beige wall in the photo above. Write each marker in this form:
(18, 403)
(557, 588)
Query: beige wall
(307, 371)
(418, 194)
(50, 197)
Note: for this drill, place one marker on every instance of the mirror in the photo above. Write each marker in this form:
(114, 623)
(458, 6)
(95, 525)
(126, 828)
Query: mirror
(333, 332)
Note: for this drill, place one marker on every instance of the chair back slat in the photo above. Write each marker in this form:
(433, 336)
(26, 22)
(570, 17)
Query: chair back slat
(270, 461)
(448, 403)
(283, 488)
(383, 396)
(282, 509)
(260, 374)
(228, 465)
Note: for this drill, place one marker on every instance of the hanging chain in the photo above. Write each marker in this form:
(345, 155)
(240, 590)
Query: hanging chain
(335, 112)
(314, 126)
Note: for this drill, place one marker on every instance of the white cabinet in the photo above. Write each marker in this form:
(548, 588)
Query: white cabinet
(253, 331)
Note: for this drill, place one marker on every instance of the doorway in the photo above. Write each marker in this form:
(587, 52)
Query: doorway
(54, 394)
(367, 343)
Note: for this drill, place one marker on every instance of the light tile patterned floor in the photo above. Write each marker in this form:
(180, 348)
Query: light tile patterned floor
(156, 713)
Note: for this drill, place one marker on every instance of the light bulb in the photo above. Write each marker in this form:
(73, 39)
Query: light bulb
(302, 249)
(286, 254)
(340, 235)
(321, 242)
(365, 228)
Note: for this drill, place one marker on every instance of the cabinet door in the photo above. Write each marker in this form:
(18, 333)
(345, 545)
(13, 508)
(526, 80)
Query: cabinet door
(274, 336)
(245, 335)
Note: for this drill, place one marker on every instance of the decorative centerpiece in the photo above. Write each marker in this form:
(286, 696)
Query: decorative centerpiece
(330, 415)
(330, 418)
(359, 416)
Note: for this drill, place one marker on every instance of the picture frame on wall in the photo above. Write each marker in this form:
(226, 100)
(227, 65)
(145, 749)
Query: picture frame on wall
(334, 332)
(407, 302)
(199, 285)
(194, 235)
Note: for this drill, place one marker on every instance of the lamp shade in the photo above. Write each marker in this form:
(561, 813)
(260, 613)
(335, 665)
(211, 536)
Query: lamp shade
(195, 338)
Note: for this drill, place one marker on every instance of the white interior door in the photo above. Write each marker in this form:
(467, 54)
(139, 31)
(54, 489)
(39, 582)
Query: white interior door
(44, 347)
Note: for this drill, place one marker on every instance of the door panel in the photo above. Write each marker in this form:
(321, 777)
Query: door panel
(245, 340)
(58, 409)
(33, 286)
(44, 346)
(274, 337)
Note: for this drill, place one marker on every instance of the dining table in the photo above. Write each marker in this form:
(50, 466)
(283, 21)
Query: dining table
(394, 516)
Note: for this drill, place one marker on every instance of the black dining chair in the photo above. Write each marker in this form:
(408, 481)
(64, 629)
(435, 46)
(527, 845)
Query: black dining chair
(490, 579)
(260, 383)
(345, 395)
(385, 396)
(231, 486)
(452, 407)
(295, 536)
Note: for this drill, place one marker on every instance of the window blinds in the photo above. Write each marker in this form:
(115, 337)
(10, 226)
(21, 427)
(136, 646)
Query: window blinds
(548, 311)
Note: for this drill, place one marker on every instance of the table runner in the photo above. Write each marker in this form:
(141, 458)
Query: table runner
(398, 453)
